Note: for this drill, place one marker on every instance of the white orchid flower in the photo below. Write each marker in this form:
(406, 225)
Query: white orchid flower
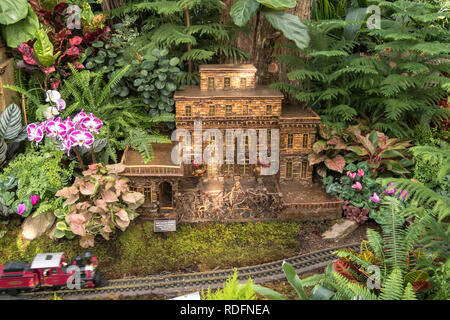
(50, 112)
(52, 95)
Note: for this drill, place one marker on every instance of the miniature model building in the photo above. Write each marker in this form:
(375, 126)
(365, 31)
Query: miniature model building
(228, 98)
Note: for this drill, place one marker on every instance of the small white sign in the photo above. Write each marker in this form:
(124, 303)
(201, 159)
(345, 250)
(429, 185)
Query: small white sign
(189, 296)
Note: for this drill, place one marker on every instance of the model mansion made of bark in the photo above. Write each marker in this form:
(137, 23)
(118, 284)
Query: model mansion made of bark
(228, 98)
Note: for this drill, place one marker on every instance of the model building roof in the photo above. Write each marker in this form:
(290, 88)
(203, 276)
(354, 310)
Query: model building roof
(227, 67)
(292, 111)
(259, 92)
(162, 156)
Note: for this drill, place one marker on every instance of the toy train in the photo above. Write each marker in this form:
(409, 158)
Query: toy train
(50, 271)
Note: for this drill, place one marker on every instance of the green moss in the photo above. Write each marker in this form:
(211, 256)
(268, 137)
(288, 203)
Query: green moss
(139, 251)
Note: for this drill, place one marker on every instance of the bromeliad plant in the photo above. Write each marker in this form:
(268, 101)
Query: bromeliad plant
(97, 203)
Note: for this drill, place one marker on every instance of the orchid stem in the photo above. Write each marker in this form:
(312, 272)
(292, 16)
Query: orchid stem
(92, 154)
(79, 159)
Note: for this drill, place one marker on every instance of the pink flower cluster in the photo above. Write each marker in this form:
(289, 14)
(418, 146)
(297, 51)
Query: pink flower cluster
(352, 175)
(72, 133)
(390, 190)
(21, 208)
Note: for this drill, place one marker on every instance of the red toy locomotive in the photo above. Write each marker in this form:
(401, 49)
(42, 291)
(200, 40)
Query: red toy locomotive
(49, 270)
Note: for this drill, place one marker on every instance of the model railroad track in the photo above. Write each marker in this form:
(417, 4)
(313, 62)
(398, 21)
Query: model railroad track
(171, 284)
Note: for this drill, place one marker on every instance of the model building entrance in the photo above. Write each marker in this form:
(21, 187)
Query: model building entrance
(165, 195)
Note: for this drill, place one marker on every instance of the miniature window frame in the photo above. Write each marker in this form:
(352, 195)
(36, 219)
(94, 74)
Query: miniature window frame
(210, 82)
(290, 141)
(289, 171)
(245, 110)
(243, 83)
(304, 169)
(228, 110)
(212, 110)
(226, 83)
(305, 141)
(188, 111)
(268, 109)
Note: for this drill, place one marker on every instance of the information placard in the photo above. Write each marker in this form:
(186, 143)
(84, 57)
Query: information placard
(165, 225)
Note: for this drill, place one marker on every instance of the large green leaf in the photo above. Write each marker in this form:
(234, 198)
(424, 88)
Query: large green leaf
(294, 280)
(355, 18)
(44, 49)
(278, 4)
(12, 11)
(291, 26)
(269, 293)
(242, 11)
(22, 31)
(3, 150)
(10, 122)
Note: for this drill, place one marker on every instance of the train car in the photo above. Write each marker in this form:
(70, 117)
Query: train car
(50, 270)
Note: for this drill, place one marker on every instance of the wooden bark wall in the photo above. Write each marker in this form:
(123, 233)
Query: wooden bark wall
(260, 42)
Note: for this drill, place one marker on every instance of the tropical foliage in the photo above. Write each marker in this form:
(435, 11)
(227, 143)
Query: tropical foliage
(97, 203)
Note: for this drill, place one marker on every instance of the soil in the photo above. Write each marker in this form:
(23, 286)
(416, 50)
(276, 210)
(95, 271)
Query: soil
(309, 236)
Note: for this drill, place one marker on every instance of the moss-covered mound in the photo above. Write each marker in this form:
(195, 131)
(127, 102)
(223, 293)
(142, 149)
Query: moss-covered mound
(139, 251)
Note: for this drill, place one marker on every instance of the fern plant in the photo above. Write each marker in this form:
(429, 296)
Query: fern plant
(191, 29)
(397, 83)
(232, 290)
(124, 124)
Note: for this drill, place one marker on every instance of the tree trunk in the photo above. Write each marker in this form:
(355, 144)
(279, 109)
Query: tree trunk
(111, 4)
(261, 40)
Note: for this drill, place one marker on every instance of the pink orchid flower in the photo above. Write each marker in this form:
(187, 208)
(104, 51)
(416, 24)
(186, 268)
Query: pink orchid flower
(357, 186)
(78, 118)
(360, 172)
(375, 198)
(81, 138)
(70, 126)
(35, 133)
(21, 208)
(56, 129)
(91, 123)
(34, 199)
(67, 145)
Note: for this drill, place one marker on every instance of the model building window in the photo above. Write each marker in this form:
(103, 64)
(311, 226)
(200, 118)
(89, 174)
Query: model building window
(243, 82)
(304, 168)
(230, 138)
(245, 109)
(212, 111)
(289, 169)
(188, 111)
(290, 141)
(228, 110)
(210, 83)
(269, 138)
(269, 109)
(212, 139)
(305, 141)
(226, 83)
